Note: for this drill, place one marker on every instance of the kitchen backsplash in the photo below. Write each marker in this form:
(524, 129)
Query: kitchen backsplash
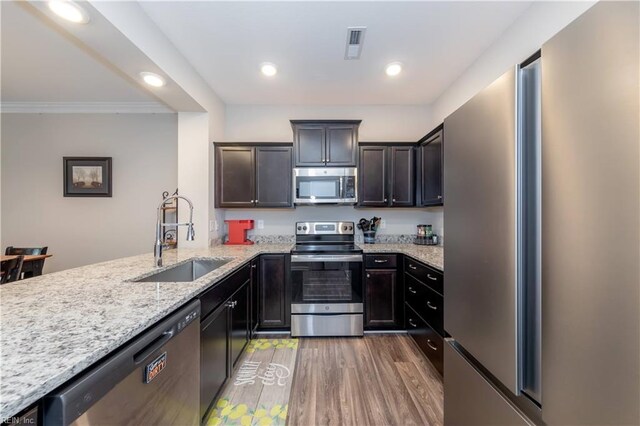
(280, 222)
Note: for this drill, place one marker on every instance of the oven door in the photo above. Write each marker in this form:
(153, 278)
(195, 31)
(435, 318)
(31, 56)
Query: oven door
(326, 284)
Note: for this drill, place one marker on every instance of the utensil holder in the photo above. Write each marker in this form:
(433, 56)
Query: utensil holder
(369, 237)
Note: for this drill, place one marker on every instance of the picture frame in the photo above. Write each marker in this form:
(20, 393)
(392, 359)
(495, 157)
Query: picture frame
(87, 176)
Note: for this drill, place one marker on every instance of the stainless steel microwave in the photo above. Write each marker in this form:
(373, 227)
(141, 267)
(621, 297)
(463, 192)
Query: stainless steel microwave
(325, 185)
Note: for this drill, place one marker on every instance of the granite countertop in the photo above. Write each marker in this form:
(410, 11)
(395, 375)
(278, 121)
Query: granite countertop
(55, 326)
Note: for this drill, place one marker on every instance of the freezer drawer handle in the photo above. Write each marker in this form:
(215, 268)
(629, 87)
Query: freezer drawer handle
(431, 345)
(413, 324)
(432, 278)
(412, 290)
(152, 347)
(435, 308)
(412, 267)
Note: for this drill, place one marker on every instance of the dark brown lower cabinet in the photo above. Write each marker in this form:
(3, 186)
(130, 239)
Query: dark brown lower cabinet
(383, 300)
(214, 355)
(239, 322)
(224, 333)
(430, 342)
(275, 299)
(255, 302)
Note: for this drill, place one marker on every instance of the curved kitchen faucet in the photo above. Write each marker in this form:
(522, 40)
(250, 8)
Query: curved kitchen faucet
(157, 248)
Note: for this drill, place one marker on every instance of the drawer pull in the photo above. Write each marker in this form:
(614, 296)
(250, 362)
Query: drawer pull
(431, 345)
(432, 278)
(381, 260)
(368, 275)
(412, 290)
(435, 308)
(412, 267)
(412, 323)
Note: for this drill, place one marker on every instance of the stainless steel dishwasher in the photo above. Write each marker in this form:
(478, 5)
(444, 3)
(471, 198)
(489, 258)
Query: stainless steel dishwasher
(154, 380)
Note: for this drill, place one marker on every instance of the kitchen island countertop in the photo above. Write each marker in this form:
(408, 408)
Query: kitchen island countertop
(54, 326)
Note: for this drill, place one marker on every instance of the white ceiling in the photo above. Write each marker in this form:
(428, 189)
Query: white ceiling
(436, 42)
(40, 64)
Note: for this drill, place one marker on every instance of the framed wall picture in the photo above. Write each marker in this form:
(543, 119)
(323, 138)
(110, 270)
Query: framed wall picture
(87, 176)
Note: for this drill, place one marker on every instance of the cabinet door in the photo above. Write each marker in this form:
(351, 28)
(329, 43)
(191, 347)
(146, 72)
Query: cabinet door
(309, 144)
(275, 302)
(341, 145)
(213, 356)
(402, 176)
(373, 176)
(274, 176)
(383, 300)
(235, 176)
(431, 168)
(239, 322)
(254, 295)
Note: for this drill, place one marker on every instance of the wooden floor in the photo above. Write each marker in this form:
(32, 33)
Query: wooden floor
(376, 380)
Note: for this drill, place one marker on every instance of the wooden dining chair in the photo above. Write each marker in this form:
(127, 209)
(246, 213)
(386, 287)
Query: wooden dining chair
(29, 269)
(11, 270)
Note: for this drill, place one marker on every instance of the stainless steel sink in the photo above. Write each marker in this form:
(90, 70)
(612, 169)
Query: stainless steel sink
(185, 272)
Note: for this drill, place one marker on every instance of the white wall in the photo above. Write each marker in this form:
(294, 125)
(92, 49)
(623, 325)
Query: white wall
(250, 123)
(81, 231)
(269, 123)
(527, 34)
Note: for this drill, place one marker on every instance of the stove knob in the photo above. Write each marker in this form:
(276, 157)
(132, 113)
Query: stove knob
(304, 228)
(350, 228)
(344, 228)
(299, 228)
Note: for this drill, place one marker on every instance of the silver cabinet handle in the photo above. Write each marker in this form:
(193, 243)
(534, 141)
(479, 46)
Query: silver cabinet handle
(368, 275)
(381, 260)
(412, 290)
(435, 308)
(256, 201)
(412, 267)
(412, 323)
(431, 345)
(254, 266)
(393, 199)
(432, 278)
(230, 304)
(385, 200)
(439, 197)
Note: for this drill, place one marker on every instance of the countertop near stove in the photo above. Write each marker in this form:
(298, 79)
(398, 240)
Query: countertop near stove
(56, 325)
(431, 255)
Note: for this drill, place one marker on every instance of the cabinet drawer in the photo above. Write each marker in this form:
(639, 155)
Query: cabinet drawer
(429, 276)
(426, 302)
(379, 261)
(213, 297)
(427, 339)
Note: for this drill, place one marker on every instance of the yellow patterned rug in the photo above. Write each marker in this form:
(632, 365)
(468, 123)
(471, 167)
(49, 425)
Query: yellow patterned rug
(258, 392)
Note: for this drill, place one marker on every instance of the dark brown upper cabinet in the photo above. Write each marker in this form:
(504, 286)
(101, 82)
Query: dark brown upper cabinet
(431, 168)
(320, 143)
(235, 176)
(386, 176)
(253, 176)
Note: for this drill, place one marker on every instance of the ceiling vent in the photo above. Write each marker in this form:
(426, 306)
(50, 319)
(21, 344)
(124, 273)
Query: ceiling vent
(355, 39)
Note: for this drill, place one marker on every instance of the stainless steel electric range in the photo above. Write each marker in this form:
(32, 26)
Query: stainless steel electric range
(326, 281)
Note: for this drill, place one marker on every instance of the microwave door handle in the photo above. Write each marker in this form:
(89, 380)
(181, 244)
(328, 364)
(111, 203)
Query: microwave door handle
(341, 187)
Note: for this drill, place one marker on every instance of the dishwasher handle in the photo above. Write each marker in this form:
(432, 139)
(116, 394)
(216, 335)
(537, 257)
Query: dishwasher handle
(153, 346)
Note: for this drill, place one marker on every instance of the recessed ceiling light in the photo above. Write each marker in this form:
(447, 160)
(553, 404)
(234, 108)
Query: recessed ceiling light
(153, 79)
(268, 69)
(69, 10)
(393, 69)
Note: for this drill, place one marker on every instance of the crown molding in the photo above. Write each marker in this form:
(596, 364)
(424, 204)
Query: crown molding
(84, 107)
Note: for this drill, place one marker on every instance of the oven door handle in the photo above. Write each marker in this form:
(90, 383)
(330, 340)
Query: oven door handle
(326, 258)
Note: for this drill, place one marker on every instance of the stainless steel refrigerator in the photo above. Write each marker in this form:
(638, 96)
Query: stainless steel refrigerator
(542, 182)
